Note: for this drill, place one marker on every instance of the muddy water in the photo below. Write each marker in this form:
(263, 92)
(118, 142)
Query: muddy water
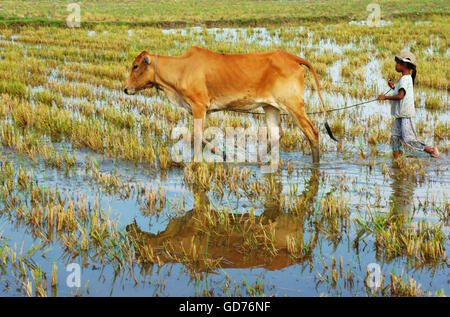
(282, 276)
(365, 188)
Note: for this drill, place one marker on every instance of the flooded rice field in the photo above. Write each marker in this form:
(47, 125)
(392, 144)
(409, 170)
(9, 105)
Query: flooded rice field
(94, 204)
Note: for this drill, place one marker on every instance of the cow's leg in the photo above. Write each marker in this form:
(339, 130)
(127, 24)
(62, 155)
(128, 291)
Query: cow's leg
(205, 119)
(273, 118)
(213, 148)
(311, 132)
(199, 121)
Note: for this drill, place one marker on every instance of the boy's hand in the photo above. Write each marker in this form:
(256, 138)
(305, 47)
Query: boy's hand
(391, 84)
(382, 97)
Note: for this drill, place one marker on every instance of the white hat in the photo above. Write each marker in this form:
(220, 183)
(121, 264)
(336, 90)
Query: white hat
(407, 57)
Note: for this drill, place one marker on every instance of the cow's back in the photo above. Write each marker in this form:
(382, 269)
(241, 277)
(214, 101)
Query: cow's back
(231, 78)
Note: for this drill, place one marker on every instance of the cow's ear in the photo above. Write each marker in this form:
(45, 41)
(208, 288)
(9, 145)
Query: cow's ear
(146, 60)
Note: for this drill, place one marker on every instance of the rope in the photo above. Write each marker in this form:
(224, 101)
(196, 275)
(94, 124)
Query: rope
(286, 114)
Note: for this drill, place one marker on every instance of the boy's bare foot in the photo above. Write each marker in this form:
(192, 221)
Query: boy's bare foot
(434, 152)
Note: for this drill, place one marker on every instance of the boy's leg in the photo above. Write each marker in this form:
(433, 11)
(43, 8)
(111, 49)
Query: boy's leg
(396, 138)
(410, 138)
(397, 153)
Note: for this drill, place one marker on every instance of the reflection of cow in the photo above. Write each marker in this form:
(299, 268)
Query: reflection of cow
(202, 81)
(183, 232)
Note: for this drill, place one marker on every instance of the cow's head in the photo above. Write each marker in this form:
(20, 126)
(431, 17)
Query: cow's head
(142, 74)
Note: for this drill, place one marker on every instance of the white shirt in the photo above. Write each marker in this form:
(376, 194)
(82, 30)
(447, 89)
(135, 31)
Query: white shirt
(404, 108)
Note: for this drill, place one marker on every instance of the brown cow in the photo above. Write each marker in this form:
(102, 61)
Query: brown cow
(202, 81)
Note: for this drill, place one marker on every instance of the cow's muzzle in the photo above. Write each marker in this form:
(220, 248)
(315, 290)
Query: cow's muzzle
(129, 91)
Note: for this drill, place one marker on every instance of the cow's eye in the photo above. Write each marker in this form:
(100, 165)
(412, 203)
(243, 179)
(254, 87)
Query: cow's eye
(135, 66)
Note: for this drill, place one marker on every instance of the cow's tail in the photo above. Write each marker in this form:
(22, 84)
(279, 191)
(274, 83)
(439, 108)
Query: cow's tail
(303, 61)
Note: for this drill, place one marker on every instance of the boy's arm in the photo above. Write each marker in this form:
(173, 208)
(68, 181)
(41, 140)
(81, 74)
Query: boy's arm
(399, 96)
